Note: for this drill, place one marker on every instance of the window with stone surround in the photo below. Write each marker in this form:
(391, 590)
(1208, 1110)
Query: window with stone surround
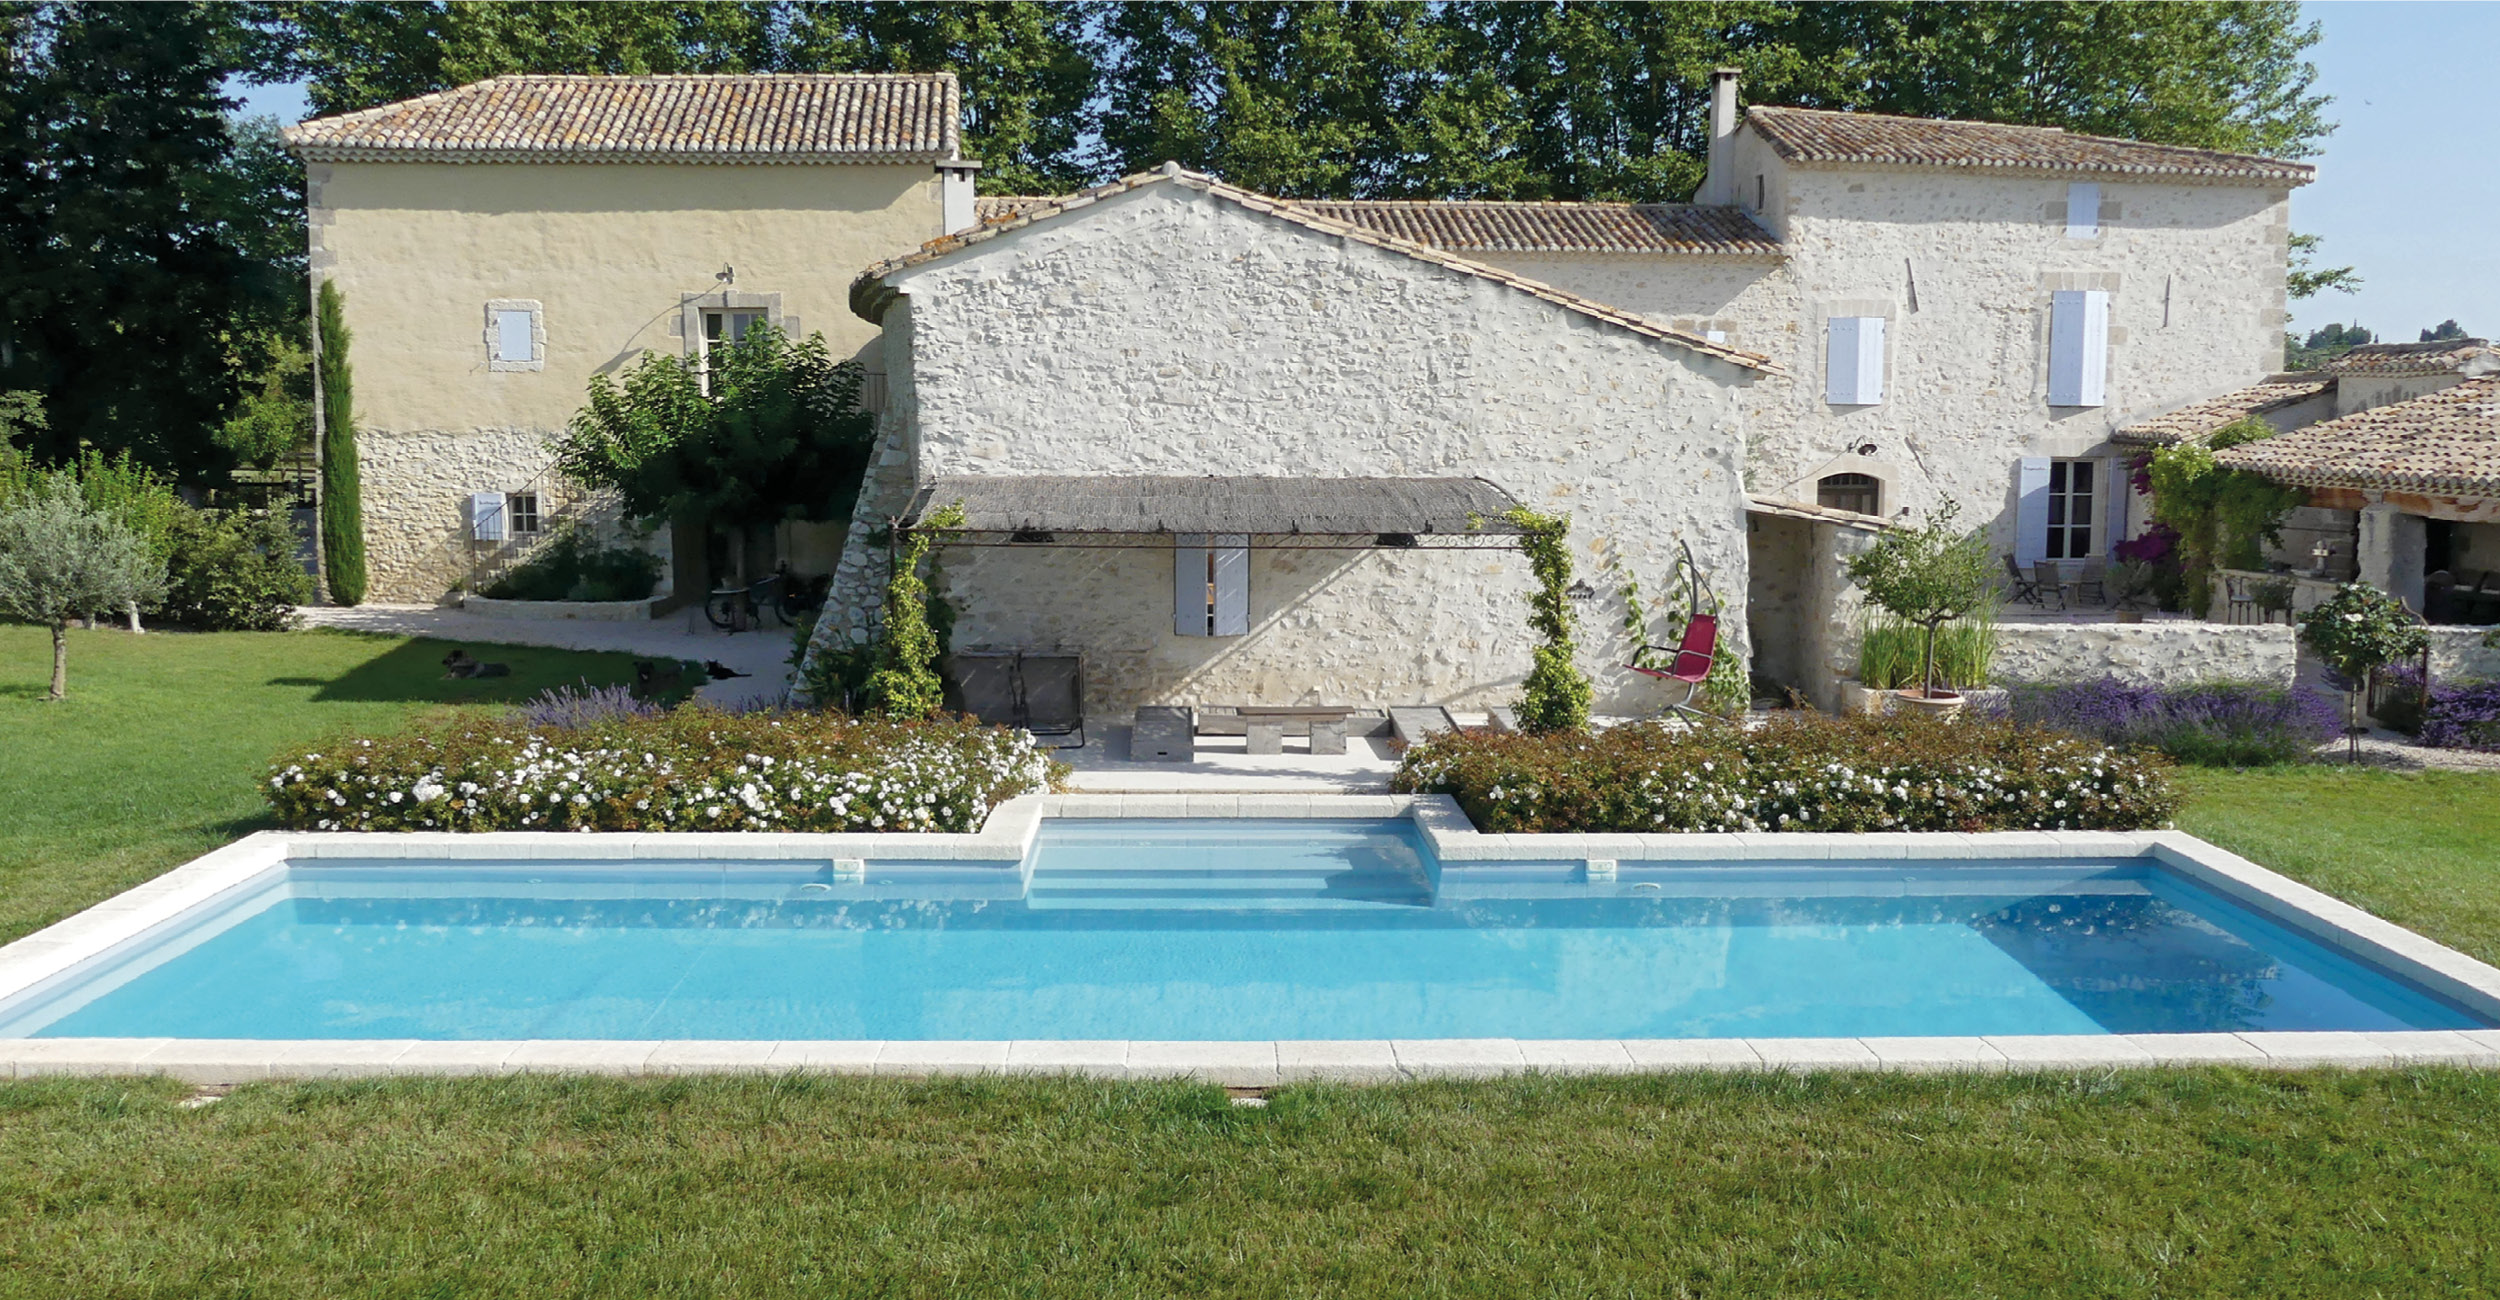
(521, 510)
(516, 335)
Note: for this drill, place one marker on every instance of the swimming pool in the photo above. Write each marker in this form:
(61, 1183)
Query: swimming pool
(1229, 930)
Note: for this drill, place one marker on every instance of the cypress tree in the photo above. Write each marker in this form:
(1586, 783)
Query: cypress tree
(342, 501)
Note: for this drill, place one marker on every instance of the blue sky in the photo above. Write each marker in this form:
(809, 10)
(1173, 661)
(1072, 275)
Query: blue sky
(2408, 185)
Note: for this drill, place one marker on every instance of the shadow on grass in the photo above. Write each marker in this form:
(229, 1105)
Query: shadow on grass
(412, 672)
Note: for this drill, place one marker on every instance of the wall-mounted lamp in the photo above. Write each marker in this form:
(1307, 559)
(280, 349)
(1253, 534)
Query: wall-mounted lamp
(727, 274)
(1581, 591)
(1866, 449)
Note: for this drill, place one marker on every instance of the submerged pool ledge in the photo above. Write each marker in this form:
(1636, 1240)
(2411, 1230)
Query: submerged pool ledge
(1005, 844)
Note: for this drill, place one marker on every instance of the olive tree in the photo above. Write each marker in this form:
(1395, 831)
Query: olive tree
(1928, 576)
(61, 558)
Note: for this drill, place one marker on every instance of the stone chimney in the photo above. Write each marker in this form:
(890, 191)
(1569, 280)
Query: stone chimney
(955, 194)
(1718, 184)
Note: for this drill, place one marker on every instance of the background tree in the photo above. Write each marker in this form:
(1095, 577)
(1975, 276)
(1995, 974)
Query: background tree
(776, 434)
(61, 558)
(2447, 329)
(342, 489)
(136, 283)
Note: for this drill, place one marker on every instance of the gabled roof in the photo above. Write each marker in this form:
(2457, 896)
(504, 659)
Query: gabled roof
(870, 296)
(759, 118)
(1813, 136)
(1456, 226)
(2444, 357)
(2443, 443)
(2192, 422)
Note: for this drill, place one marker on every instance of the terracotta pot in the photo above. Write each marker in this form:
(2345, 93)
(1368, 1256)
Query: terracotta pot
(1942, 704)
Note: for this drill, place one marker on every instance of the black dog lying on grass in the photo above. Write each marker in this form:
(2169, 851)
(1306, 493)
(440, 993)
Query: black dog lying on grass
(458, 664)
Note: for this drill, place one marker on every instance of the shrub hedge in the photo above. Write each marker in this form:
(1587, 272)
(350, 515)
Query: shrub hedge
(2211, 724)
(234, 571)
(1803, 772)
(2462, 715)
(570, 566)
(695, 769)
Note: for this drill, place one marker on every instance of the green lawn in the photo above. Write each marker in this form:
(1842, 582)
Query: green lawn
(157, 754)
(2174, 1183)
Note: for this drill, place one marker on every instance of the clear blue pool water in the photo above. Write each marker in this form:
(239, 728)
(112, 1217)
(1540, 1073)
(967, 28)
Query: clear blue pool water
(1222, 930)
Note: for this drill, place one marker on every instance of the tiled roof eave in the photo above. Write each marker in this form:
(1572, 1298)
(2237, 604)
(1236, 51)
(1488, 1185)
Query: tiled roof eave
(2362, 480)
(2182, 175)
(434, 154)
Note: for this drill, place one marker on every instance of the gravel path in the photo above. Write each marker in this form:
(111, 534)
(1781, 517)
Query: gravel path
(2382, 748)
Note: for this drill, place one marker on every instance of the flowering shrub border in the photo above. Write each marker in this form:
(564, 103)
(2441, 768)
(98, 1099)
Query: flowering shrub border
(695, 769)
(2462, 715)
(1800, 773)
(2210, 724)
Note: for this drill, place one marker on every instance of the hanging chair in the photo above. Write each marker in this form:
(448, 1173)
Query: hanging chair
(1691, 658)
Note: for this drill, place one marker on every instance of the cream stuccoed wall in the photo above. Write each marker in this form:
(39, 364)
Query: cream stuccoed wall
(1168, 331)
(609, 253)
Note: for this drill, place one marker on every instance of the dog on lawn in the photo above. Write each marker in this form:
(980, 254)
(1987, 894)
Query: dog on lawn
(459, 665)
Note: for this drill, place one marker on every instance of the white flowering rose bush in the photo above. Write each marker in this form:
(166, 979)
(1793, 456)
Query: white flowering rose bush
(691, 770)
(1804, 772)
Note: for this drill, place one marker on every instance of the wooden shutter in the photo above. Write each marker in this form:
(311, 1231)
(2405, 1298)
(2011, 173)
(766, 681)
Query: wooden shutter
(2078, 347)
(513, 341)
(1232, 584)
(2083, 210)
(1853, 361)
(1189, 585)
(2031, 510)
(486, 516)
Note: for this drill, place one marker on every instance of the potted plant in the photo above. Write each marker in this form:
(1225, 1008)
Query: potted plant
(1928, 576)
(2357, 630)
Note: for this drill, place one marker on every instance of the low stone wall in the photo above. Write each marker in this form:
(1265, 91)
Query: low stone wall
(587, 611)
(2459, 653)
(2159, 653)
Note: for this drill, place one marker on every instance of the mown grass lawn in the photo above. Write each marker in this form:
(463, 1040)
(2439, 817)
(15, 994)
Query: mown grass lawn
(157, 755)
(2174, 1183)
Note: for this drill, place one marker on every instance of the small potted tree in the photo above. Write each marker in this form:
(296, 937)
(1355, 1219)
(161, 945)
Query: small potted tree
(1928, 576)
(2357, 631)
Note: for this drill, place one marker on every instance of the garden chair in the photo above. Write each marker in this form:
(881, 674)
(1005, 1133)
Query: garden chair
(2026, 590)
(1694, 654)
(2094, 575)
(2237, 600)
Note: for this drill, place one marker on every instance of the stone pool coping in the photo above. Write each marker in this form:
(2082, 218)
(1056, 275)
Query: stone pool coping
(1003, 843)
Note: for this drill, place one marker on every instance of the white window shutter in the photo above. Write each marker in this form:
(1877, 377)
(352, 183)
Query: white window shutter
(486, 516)
(1870, 360)
(2083, 210)
(1232, 585)
(2031, 510)
(1189, 584)
(513, 337)
(2078, 347)
(1853, 361)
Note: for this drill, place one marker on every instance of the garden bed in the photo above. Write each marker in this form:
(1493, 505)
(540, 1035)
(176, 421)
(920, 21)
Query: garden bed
(1803, 773)
(694, 769)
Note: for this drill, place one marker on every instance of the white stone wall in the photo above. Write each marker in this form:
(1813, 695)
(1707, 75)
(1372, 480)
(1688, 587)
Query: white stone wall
(2165, 652)
(1167, 331)
(2458, 654)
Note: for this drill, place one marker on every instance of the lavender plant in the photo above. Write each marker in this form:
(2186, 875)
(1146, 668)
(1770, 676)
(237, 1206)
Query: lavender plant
(582, 706)
(2212, 724)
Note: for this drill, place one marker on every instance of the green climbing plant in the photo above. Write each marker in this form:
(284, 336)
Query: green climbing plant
(1728, 688)
(1556, 695)
(342, 497)
(2225, 518)
(905, 683)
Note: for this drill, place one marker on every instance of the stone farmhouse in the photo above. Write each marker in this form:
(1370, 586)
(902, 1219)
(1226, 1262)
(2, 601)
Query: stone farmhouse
(2398, 446)
(1859, 318)
(499, 244)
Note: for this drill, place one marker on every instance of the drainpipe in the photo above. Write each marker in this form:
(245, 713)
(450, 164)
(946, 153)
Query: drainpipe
(1718, 186)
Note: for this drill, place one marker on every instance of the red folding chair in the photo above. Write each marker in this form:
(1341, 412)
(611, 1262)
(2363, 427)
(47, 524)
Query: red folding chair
(1691, 664)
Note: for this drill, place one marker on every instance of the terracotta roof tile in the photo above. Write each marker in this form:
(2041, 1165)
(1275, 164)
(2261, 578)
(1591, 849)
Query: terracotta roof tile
(870, 296)
(1818, 136)
(1491, 227)
(762, 118)
(2447, 356)
(2444, 443)
(2192, 422)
